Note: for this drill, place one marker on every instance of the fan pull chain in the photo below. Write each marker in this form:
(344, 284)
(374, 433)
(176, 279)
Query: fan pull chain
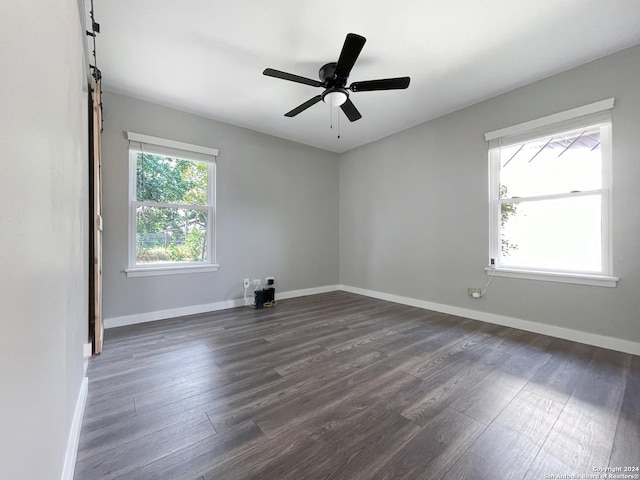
(330, 116)
(331, 109)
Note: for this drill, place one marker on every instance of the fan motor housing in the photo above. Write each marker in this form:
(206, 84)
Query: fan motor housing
(327, 76)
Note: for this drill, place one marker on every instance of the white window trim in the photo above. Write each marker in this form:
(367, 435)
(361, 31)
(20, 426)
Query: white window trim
(604, 279)
(559, 277)
(532, 125)
(174, 269)
(163, 142)
(186, 151)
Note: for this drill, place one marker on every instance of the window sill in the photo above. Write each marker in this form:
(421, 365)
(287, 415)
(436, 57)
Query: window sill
(575, 278)
(169, 270)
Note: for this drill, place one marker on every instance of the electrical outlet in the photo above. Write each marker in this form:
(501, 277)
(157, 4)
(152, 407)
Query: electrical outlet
(246, 282)
(270, 280)
(474, 292)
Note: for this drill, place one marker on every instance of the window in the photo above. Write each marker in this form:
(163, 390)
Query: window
(171, 207)
(550, 184)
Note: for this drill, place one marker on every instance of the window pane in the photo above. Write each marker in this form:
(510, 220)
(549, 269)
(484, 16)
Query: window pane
(563, 163)
(166, 235)
(559, 234)
(170, 180)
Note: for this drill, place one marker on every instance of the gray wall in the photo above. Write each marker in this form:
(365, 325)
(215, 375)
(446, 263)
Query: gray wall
(414, 214)
(43, 233)
(277, 211)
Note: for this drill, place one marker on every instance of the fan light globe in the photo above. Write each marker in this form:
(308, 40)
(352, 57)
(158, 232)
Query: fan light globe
(335, 98)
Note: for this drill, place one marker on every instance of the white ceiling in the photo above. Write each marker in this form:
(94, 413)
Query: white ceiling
(207, 56)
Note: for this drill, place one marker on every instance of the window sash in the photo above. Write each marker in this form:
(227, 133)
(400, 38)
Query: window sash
(134, 149)
(604, 192)
(208, 232)
(134, 152)
(551, 196)
(176, 206)
(557, 204)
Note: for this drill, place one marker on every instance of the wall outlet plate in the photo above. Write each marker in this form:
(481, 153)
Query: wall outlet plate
(270, 280)
(246, 282)
(477, 291)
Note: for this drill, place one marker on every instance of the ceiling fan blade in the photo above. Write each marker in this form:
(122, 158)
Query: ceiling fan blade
(270, 72)
(304, 106)
(350, 50)
(350, 111)
(383, 84)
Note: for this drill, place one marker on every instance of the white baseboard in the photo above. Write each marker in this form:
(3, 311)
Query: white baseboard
(74, 435)
(306, 291)
(594, 339)
(170, 313)
(205, 308)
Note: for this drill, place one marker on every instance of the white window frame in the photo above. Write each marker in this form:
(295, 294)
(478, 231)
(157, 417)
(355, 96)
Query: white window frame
(155, 145)
(594, 113)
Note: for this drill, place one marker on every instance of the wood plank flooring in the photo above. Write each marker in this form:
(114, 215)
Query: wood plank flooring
(340, 386)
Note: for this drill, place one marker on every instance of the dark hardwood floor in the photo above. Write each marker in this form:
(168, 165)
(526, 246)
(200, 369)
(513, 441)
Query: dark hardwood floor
(340, 386)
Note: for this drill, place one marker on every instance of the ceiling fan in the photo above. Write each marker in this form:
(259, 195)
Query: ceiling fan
(333, 78)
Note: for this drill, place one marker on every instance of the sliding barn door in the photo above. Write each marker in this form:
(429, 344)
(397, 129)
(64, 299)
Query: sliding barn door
(96, 327)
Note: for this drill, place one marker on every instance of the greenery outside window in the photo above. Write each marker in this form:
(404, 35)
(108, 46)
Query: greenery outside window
(171, 207)
(550, 188)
